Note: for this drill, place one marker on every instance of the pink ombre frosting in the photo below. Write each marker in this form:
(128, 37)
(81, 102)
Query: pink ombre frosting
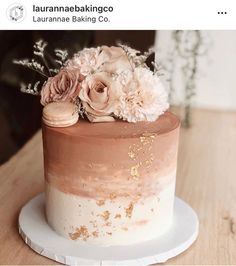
(96, 160)
(111, 183)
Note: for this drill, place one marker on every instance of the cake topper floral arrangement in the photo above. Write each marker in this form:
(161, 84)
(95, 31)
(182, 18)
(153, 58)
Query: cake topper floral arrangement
(106, 83)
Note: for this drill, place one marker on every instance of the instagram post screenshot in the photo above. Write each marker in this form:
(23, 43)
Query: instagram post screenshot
(117, 132)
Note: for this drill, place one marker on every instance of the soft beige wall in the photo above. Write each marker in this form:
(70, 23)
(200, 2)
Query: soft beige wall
(216, 81)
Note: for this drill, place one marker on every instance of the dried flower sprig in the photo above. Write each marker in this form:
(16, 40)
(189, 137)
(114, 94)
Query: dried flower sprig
(62, 56)
(143, 57)
(30, 89)
(157, 68)
(54, 71)
(138, 59)
(135, 58)
(81, 110)
(39, 50)
(41, 66)
(33, 65)
(187, 47)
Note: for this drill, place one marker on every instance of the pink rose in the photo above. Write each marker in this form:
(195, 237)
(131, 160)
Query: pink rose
(65, 86)
(98, 97)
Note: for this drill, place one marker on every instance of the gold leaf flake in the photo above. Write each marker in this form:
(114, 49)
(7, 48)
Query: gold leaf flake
(81, 232)
(105, 215)
(95, 234)
(134, 171)
(129, 210)
(94, 223)
(112, 195)
(149, 135)
(100, 202)
(147, 138)
(131, 154)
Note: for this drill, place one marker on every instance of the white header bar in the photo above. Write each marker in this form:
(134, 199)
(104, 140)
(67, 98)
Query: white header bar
(117, 14)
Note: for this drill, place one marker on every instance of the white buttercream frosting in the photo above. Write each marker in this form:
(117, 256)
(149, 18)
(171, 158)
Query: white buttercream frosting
(118, 221)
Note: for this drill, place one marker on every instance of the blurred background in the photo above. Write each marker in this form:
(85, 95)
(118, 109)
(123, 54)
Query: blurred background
(197, 68)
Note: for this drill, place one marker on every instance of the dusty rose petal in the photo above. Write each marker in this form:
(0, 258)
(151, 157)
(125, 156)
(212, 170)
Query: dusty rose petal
(97, 96)
(65, 86)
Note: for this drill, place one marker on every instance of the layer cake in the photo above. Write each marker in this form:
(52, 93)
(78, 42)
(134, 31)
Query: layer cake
(111, 183)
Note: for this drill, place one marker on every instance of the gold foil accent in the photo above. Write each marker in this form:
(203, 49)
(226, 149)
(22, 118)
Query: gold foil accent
(129, 210)
(149, 162)
(118, 216)
(112, 195)
(95, 234)
(137, 197)
(147, 138)
(134, 171)
(94, 223)
(100, 202)
(105, 215)
(143, 140)
(131, 154)
(81, 232)
(133, 151)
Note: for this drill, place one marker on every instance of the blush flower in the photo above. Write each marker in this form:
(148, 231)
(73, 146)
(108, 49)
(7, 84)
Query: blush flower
(142, 97)
(98, 97)
(114, 59)
(65, 86)
(86, 61)
(101, 59)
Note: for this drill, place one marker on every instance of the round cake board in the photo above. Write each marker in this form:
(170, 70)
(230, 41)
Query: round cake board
(41, 238)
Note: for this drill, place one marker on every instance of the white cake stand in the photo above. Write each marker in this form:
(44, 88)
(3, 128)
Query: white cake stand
(41, 238)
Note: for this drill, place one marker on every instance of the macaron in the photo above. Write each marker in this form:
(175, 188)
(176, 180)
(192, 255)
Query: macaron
(60, 114)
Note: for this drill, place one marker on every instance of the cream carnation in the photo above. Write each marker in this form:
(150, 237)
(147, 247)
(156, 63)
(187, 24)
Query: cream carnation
(98, 97)
(86, 61)
(142, 96)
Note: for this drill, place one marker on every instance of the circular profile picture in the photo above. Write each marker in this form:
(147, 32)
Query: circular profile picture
(16, 12)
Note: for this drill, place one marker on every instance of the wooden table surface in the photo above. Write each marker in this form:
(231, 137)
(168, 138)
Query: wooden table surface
(206, 179)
